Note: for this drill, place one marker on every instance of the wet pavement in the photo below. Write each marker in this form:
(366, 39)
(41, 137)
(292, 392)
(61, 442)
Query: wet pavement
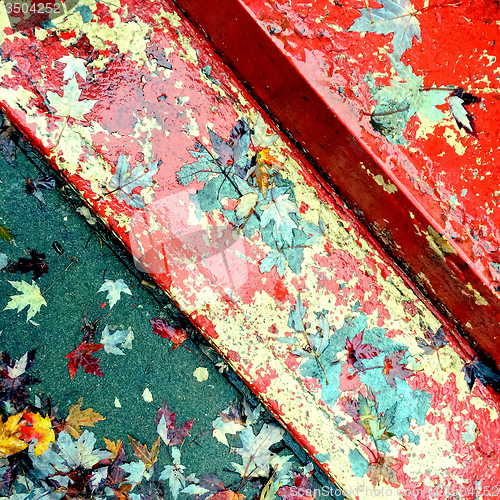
(79, 255)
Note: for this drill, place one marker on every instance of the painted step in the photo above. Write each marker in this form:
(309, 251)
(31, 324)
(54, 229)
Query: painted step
(399, 114)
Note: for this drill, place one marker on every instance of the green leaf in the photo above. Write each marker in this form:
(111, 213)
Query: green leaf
(395, 16)
(400, 100)
(114, 289)
(173, 473)
(255, 450)
(201, 170)
(297, 315)
(275, 258)
(73, 66)
(30, 295)
(5, 234)
(69, 104)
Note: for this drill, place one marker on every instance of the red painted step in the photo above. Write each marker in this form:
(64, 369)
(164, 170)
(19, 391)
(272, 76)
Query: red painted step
(427, 190)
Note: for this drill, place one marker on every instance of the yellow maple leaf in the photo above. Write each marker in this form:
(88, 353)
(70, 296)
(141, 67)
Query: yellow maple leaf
(39, 428)
(10, 436)
(78, 417)
(113, 447)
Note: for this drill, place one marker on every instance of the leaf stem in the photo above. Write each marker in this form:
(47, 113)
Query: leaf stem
(73, 260)
(60, 134)
(185, 347)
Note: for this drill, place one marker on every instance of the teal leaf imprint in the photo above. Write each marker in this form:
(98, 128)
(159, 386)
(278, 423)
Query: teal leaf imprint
(395, 16)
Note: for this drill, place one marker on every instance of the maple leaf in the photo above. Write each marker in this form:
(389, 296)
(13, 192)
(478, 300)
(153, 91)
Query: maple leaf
(299, 491)
(111, 341)
(78, 417)
(114, 289)
(114, 448)
(80, 453)
(166, 429)
(395, 16)
(356, 351)
(480, 371)
(10, 436)
(382, 469)
(174, 333)
(227, 495)
(33, 186)
(82, 356)
(126, 179)
(39, 428)
(173, 473)
(73, 66)
(36, 264)
(433, 341)
(233, 151)
(255, 451)
(14, 378)
(399, 101)
(141, 451)
(69, 104)
(210, 483)
(30, 296)
(393, 368)
(278, 211)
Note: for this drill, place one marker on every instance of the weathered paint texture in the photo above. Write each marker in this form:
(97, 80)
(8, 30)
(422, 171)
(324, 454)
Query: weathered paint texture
(165, 146)
(383, 84)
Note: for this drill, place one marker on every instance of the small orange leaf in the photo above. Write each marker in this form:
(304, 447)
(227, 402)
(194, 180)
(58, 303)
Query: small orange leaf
(227, 495)
(39, 428)
(10, 436)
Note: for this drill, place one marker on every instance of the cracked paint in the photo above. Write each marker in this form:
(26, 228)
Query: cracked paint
(443, 174)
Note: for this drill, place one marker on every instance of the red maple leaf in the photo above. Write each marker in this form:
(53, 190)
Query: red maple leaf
(176, 334)
(171, 435)
(392, 368)
(82, 356)
(357, 351)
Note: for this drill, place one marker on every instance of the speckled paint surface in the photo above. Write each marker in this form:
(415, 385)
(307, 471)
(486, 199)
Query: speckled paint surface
(161, 141)
(334, 74)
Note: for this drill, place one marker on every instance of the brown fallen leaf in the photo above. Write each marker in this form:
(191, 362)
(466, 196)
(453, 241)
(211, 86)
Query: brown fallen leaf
(77, 417)
(113, 447)
(148, 458)
(382, 469)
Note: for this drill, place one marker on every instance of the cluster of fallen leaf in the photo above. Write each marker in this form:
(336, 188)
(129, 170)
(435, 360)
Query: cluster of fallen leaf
(43, 455)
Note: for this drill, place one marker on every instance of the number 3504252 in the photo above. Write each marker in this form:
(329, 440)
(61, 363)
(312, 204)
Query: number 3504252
(34, 8)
